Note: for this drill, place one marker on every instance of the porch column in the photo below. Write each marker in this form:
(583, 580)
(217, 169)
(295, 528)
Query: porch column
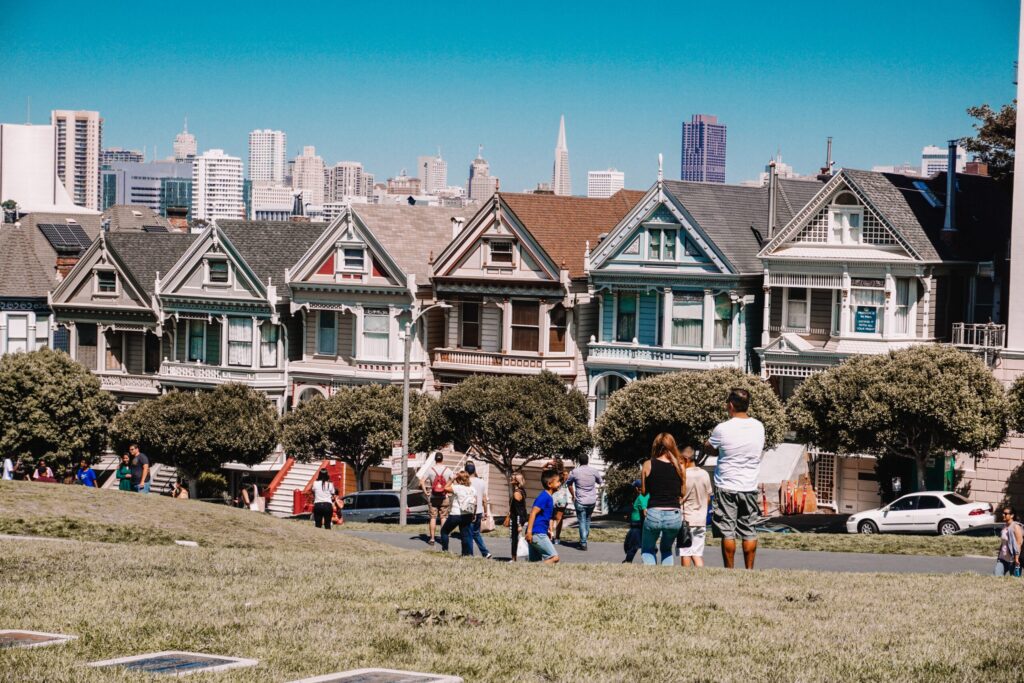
(844, 305)
(396, 350)
(615, 317)
(506, 325)
(926, 301)
(600, 318)
(3, 333)
(889, 310)
(255, 356)
(766, 323)
(709, 320)
(544, 325)
(223, 342)
(72, 339)
(30, 343)
(358, 311)
(666, 317)
(101, 349)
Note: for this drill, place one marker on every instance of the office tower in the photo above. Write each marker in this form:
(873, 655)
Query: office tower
(347, 179)
(217, 187)
(402, 184)
(481, 183)
(267, 156)
(28, 169)
(703, 158)
(433, 173)
(272, 202)
(79, 138)
(144, 183)
(560, 181)
(308, 176)
(603, 184)
(184, 145)
(935, 160)
(116, 155)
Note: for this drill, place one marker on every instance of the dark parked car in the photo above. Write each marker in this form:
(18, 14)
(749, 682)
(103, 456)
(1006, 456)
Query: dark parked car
(382, 506)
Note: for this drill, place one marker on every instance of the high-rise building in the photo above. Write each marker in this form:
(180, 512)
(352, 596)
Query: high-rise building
(79, 139)
(402, 184)
(347, 179)
(433, 173)
(28, 169)
(267, 150)
(703, 158)
(308, 176)
(272, 202)
(116, 155)
(561, 184)
(217, 188)
(142, 183)
(184, 145)
(936, 159)
(603, 184)
(481, 184)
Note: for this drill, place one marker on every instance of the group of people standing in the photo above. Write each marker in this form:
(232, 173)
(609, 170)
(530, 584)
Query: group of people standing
(132, 473)
(458, 500)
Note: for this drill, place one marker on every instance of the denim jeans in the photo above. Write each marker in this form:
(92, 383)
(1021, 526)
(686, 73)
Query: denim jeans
(143, 488)
(663, 523)
(474, 531)
(632, 543)
(464, 522)
(583, 515)
(541, 548)
(1004, 568)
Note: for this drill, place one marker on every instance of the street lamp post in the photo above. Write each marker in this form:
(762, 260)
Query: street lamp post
(403, 495)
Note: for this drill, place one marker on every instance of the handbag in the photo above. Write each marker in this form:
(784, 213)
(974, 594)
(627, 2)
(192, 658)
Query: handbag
(487, 521)
(685, 537)
(523, 548)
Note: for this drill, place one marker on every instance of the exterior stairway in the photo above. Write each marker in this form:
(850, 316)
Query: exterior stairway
(162, 478)
(296, 477)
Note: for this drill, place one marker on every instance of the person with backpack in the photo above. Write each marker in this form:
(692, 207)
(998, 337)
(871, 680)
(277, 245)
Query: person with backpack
(1010, 541)
(463, 510)
(435, 489)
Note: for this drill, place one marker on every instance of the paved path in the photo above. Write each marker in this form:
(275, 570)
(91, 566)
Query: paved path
(766, 558)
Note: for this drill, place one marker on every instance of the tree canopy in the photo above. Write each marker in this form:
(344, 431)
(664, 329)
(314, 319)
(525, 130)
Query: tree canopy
(51, 407)
(996, 138)
(687, 405)
(199, 432)
(356, 425)
(1017, 404)
(918, 403)
(509, 421)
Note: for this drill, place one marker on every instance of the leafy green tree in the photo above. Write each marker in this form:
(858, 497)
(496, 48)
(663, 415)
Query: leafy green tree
(356, 425)
(1017, 404)
(918, 403)
(996, 137)
(687, 405)
(51, 407)
(510, 421)
(199, 432)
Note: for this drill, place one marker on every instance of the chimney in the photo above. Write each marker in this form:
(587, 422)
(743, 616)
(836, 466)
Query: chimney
(826, 170)
(949, 227)
(976, 168)
(65, 264)
(457, 222)
(773, 185)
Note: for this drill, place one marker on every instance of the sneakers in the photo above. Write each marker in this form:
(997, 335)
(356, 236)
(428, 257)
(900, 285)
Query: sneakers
(430, 542)
(556, 542)
(583, 546)
(488, 556)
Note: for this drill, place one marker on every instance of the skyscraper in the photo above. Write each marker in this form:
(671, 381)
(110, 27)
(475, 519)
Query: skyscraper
(184, 145)
(267, 156)
(603, 184)
(481, 183)
(217, 188)
(116, 155)
(703, 158)
(308, 176)
(347, 179)
(561, 184)
(433, 173)
(936, 159)
(79, 136)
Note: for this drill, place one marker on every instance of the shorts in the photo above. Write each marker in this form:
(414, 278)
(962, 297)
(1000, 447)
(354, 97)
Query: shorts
(735, 514)
(439, 506)
(541, 548)
(696, 548)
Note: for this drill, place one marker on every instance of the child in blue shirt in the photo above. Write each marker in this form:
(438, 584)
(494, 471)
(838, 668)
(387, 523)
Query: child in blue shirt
(538, 526)
(85, 475)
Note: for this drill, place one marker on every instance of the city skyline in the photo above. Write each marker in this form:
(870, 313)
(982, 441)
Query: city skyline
(624, 107)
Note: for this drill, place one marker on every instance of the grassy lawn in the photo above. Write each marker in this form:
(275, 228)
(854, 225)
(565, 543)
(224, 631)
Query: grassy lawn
(308, 602)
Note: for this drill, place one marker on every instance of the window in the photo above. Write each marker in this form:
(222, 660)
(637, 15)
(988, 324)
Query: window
(86, 334)
(557, 323)
(846, 219)
(240, 341)
(654, 245)
(115, 350)
(352, 259)
(956, 499)
(669, 246)
(376, 331)
(837, 310)
(866, 309)
(268, 345)
(625, 318)
(326, 334)
(106, 282)
(904, 504)
(196, 340)
(501, 251)
(17, 333)
(929, 503)
(723, 321)
(902, 317)
(469, 317)
(796, 308)
(661, 245)
(688, 319)
(525, 325)
(984, 295)
(218, 271)
(42, 332)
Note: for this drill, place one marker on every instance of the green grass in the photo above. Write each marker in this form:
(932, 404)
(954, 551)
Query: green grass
(307, 602)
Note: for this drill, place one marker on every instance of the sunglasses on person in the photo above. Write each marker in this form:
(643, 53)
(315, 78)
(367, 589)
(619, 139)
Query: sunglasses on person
(1007, 512)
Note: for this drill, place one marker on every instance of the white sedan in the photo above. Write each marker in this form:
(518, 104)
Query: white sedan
(927, 512)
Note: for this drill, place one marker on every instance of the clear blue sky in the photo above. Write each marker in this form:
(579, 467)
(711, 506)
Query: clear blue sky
(383, 83)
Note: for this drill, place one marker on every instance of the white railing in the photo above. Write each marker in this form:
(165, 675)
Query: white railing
(979, 335)
(385, 366)
(500, 361)
(217, 373)
(121, 381)
(814, 281)
(621, 352)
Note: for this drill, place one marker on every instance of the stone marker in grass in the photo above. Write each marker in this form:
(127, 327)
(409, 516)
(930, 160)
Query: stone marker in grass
(381, 676)
(10, 638)
(188, 544)
(176, 663)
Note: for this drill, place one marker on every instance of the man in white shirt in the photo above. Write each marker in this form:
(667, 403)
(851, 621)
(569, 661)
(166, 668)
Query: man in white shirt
(482, 504)
(8, 470)
(739, 444)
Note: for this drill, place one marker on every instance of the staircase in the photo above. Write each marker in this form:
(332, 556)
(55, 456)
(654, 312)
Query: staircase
(297, 477)
(162, 478)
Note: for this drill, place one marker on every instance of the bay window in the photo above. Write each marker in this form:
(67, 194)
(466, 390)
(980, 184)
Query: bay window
(723, 321)
(625, 318)
(268, 345)
(240, 341)
(688, 319)
(867, 310)
(17, 333)
(557, 324)
(797, 308)
(376, 332)
(326, 334)
(525, 325)
(469, 324)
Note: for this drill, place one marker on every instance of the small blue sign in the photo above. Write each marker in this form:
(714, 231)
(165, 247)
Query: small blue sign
(865, 319)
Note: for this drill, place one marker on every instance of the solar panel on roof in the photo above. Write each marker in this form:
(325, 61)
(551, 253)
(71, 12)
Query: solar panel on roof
(153, 228)
(65, 238)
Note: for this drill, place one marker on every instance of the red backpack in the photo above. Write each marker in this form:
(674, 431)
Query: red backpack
(438, 485)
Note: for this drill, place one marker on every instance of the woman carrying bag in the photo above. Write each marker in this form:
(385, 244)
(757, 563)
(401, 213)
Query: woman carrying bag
(517, 516)
(664, 480)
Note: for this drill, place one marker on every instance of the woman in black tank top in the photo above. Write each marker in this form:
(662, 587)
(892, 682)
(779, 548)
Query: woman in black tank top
(664, 480)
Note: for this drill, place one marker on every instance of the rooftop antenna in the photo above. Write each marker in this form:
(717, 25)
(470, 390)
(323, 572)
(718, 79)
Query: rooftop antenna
(480, 152)
(826, 170)
(439, 151)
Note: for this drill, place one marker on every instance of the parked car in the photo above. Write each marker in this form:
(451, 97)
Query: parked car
(371, 506)
(983, 531)
(768, 526)
(927, 512)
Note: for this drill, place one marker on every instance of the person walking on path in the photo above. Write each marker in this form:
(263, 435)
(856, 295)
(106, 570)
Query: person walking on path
(323, 500)
(140, 469)
(124, 473)
(483, 505)
(463, 509)
(582, 484)
(1011, 539)
(739, 444)
(435, 489)
(636, 524)
(517, 515)
(695, 509)
(562, 498)
(664, 479)
(85, 475)
(538, 526)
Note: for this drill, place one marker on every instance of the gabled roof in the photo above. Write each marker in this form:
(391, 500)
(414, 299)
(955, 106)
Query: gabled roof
(123, 217)
(269, 247)
(726, 213)
(410, 234)
(28, 262)
(145, 254)
(563, 225)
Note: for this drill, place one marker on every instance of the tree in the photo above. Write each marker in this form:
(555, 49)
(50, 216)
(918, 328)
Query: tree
(687, 405)
(510, 421)
(199, 432)
(1017, 404)
(996, 138)
(356, 425)
(918, 403)
(51, 407)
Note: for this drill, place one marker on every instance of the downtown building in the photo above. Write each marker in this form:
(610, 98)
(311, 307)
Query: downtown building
(703, 150)
(308, 177)
(561, 181)
(433, 174)
(603, 184)
(481, 184)
(267, 151)
(184, 145)
(346, 180)
(217, 186)
(79, 139)
(163, 186)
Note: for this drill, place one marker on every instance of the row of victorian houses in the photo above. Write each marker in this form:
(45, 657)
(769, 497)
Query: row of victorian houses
(782, 280)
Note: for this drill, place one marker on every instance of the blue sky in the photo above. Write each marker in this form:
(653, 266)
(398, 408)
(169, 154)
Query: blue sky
(384, 83)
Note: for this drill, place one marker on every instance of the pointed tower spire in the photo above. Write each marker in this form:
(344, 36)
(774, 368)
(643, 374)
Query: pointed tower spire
(560, 180)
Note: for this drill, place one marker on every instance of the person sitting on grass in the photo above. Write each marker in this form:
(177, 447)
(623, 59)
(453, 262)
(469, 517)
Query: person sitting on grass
(124, 473)
(43, 473)
(463, 510)
(538, 526)
(636, 523)
(85, 475)
(180, 492)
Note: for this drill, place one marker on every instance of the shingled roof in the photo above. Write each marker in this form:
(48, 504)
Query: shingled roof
(28, 262)
(269, 247)
(135, 217)
(410, 234)
(564, 225)
(145, 254)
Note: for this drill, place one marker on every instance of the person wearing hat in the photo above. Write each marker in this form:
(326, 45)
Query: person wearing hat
(482, 508)
(636, 523)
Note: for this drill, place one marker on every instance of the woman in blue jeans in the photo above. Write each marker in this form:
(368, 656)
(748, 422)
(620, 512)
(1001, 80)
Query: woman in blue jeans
(664, 480)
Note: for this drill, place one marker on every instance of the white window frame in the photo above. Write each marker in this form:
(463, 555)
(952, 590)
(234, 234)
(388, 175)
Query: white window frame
(208, 275)
(846, 231)
(188, 341)
(333, 353)
(241, 344)
(636, 318)
(662, 255)
(479, 324)
(539, 326)
(513, 263)
(678, 297)
(96, 282)
(879, 317)
(786, 327)
(267, 325)
(341, 266)
(7, 332)
(377, 312)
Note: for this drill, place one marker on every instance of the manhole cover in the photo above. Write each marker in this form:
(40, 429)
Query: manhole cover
(175, 663)
(381, 676)
(13, 638)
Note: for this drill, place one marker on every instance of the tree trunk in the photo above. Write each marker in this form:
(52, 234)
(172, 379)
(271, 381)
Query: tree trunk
(921, 463)
(193, 488)
(360, 470)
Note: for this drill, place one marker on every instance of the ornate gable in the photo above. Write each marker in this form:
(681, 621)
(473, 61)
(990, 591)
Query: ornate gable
(347, 254)
(100, 279)
(212, 269)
